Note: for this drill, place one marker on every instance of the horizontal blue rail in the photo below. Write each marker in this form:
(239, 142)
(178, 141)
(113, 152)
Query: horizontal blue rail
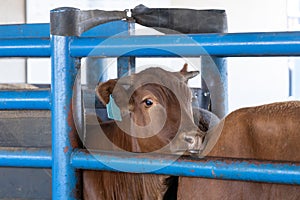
(25, 157)
(24, 31)
(25, 99)
(42, 30)
(231, 44)
(232, 169)
(28, 47)
(225, 45)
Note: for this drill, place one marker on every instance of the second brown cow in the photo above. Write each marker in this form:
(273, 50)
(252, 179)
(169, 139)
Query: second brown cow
(267, 132)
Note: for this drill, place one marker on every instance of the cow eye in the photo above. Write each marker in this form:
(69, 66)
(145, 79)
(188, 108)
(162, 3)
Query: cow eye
(148, 102)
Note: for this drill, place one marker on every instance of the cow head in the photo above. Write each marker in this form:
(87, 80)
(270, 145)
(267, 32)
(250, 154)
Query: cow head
(156, 110)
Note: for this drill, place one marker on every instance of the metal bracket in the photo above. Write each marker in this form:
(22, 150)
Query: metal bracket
(68, 21)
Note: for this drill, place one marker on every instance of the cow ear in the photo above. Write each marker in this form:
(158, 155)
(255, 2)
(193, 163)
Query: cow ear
(105, 89)
(188, 75)
(184, 69)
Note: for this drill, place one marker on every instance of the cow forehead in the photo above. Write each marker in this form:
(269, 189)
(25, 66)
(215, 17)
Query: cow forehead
(176, 93)
(156, 76)
(157, 80)
(156, 73)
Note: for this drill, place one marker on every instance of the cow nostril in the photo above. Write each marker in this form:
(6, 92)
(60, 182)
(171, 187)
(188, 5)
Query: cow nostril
(189, 139)
(194, 141)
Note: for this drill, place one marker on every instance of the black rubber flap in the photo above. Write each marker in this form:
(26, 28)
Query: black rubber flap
(188, 21)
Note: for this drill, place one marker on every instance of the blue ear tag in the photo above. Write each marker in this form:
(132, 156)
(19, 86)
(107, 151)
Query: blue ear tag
(113, 111)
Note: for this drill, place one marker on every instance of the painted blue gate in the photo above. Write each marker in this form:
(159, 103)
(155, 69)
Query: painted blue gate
(34, 40)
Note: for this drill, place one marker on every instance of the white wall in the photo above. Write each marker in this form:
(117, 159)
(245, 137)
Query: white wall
(12, 70)
(12, 11)
(38, 11)
(245, 16)
(252, 81)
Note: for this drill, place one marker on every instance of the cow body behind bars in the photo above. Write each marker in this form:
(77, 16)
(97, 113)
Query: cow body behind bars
(154, 106)
(267, 132)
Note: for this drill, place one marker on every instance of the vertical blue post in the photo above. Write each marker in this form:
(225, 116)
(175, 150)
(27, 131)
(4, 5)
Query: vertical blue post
(126, 65)
(65, 24)
(63, 129)
(64, 137)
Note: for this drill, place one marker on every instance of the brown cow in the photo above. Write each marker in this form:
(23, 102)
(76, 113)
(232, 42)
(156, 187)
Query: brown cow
(154, 106)
(268, 132)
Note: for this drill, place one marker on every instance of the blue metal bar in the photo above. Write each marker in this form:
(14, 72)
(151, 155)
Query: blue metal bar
(33, 47)
(232, 169)
(25, 157)
(231, 44)
(126, 66)
(13, 31)
(30, 99)
(223, 45)
(63, 129)
(22, 40)
(24, 31)
(285, 173)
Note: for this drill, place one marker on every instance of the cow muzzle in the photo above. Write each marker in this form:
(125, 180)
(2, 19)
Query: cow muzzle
(194, 142)
(190, 143)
